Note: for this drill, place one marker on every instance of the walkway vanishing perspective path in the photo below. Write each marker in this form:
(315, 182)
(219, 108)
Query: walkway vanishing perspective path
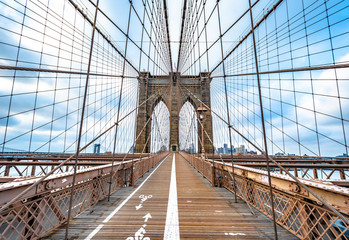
(171, 202)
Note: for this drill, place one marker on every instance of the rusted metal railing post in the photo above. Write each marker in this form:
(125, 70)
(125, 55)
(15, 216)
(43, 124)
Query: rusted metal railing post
(213, 171)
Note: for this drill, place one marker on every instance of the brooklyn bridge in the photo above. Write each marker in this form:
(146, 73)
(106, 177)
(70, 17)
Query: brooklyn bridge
(163, 119)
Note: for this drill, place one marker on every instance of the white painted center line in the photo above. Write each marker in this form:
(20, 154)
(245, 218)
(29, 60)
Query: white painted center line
(172, 224)
(99, 227)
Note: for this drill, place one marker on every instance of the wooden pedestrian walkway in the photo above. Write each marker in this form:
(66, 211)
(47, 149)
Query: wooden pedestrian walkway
(171, 202)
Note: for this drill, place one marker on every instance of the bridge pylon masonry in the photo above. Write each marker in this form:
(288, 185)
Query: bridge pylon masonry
(174, 90)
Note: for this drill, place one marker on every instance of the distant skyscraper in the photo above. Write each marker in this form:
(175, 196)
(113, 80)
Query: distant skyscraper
(241, 149)
(97, 148)
(226, 150)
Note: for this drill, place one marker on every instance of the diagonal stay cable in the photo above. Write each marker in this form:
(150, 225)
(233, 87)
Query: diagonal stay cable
(132, 147)
(102, 34)
(272, 9)
(232, 176)
(69, 158)
(167, 33)
(81, 122)
(275, 162)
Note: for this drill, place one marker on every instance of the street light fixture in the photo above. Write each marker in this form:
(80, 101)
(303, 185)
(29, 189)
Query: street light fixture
(202, 116)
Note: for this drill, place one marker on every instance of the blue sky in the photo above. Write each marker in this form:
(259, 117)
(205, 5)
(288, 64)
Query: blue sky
(308, 106)
(302, 108)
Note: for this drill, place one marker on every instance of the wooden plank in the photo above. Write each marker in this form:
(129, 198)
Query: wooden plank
(204, 212)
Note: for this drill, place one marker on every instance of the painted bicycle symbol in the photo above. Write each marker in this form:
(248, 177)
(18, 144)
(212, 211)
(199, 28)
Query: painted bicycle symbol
(145, 198)
(139, 235)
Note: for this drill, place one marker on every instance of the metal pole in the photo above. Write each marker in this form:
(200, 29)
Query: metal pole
(119, 105)
(201, 140)
(263, 123)
(81, 124)
(113, 158)
(227, 104)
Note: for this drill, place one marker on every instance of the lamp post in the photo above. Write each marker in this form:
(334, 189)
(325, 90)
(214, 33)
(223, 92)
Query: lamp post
(202, 117)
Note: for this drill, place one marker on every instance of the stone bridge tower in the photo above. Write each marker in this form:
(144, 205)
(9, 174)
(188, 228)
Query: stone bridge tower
(168, 90)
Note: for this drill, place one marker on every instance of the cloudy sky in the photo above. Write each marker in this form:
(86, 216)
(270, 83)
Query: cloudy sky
(306, 112)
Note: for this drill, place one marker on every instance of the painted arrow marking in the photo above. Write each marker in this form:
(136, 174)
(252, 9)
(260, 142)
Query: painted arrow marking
(146, 217)
(139, 206)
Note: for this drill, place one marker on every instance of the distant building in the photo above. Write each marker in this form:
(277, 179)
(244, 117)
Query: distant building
(279, 154)
(163, 148)
(241, 149)
(221, 150)
(97, 148)
(191, 148)
(251, 152)
(234, 150)
(226, 149)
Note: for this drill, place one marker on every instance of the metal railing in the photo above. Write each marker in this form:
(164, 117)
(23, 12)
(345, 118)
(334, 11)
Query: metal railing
(46, 207)
(296, 210)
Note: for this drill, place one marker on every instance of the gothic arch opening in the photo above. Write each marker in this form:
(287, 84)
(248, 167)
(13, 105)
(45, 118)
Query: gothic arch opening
(188, 125)
(160, 127)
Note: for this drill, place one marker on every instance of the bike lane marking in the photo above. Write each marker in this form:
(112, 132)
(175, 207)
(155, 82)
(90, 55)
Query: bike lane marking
(172, 223)
(107, 219)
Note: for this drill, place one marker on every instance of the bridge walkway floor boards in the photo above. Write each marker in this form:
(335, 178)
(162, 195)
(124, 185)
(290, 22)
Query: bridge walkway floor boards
(204, 212)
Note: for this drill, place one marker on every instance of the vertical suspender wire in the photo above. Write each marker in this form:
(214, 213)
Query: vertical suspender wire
(119, 105)
(262, 118)
(14, 76)
(139, 69)
(56, 78)
(70, 82)
(275, 162)
(81, 122)
(293, 75)
(3, 207)
(158, 128)
(279, 81)
(311, 79)
(190, 130)
(142, 37)
(146, 143)
(150, 43)
(336, 77)
(201, 129)
(198, 39)
(199, 139)
(38, 78)
(167, 34)
(227, 103)
(113, 158)
(206, 50)
(230, 174)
